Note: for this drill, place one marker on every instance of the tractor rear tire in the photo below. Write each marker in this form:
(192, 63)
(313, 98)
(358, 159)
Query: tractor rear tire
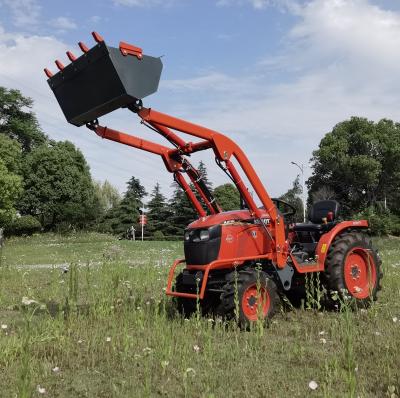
(250, 296)
(353, 270)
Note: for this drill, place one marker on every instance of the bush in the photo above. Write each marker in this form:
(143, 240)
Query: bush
(381, 222)
(24, 225)
(158, 235)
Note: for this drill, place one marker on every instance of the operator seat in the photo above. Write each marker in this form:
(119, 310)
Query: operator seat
(322, 216)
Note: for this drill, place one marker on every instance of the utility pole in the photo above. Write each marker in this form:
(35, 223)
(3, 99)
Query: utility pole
(143, 218)
(303, 188)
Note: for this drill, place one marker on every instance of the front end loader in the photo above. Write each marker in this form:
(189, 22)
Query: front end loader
(237, 264)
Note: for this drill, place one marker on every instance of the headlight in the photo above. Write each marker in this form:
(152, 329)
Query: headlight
(204, 235)
(187, 235)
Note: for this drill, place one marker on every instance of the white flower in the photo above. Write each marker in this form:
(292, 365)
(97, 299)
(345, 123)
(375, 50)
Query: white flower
(322, 332)
(196, 348)
(378, 334)
(322, 340)
(108, 339)
(28, 301)
(40, 390)
(190, 371)
(394, 319)
(147, 350)
(164, 364)
(313, 385)
(80, 341)
(56, 369)
(4, 326)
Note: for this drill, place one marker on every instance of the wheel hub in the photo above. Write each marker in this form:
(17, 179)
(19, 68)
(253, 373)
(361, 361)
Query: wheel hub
(355, 271)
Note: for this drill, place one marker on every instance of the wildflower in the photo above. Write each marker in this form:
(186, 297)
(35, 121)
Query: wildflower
(196, 348)
(164, 364)
(40, 390)
(378, 334)
(28, 301)
(313, 385)
(147, 302)
(322, 340)
(56, 369)
(190, 371)
(80, 341)
(4, 326)
(322, 332)
(395, 319)
(147, 350)
(108, 339)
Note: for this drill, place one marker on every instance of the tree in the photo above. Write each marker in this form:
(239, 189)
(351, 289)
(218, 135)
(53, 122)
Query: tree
(121, 217)
(292, 196)
(10, 189)
(158, 214)
(227, 196)
(359, 160)
(182, 211)
(10, 154)
(107, 194)
(58, 187)
(204, 175)
(17, 121)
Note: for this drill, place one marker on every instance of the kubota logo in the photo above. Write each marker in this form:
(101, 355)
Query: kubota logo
(229, 238)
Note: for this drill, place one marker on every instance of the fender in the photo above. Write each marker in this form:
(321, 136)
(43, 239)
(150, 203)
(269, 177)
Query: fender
(327, 239)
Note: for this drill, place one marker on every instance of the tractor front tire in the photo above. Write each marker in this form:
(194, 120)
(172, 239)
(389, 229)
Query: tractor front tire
(353, 270)
(249, 296)
(185, 306)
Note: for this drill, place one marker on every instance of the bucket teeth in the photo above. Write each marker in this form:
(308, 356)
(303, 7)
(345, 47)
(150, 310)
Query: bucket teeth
(48, 73)
(97, 37)
(71, 56)
(59, 64)
(83, 47)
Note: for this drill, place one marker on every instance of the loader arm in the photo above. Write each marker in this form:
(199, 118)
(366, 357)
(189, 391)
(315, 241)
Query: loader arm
(225, 150)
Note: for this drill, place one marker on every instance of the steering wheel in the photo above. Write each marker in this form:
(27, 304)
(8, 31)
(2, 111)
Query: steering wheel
(281, 205)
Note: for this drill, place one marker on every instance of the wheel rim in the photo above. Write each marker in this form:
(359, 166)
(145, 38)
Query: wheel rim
(255, 302)
(360, 273)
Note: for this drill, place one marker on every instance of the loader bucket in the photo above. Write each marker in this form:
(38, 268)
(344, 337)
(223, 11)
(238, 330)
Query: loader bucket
(102, 80)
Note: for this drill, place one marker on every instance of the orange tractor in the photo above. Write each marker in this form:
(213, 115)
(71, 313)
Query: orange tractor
(237, 263)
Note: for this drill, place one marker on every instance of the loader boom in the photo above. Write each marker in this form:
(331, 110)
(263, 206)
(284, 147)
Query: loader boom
(225, 150)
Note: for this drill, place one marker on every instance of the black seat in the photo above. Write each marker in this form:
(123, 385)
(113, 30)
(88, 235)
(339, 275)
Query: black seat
(322, 216)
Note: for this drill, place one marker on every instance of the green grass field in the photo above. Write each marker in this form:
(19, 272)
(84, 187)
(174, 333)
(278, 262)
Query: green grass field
(106, 329)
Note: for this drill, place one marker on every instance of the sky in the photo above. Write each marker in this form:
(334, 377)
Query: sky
(274, 75)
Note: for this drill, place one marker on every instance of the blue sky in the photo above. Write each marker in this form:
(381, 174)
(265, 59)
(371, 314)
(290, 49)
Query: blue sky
(275, 75)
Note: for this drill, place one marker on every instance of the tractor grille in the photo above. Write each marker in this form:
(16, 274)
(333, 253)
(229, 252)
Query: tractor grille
(201, 252)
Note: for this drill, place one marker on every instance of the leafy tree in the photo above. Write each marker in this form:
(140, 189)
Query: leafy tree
(359, 160)
(10, 189)
(227, 196)
(107, 194)
(158, 214)
(292, 196)
(10, 154)
(17, 121)
(121, 217)
(58, 187)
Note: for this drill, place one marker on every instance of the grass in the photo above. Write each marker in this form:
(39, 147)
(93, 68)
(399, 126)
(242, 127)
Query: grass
(106, 329)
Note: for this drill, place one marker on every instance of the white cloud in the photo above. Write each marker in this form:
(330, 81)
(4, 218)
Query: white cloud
(63, 23)
(145, 3)
(257, 4)
(25, 13)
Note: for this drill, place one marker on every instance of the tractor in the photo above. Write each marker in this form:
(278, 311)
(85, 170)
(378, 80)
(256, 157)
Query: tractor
(238, 264)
